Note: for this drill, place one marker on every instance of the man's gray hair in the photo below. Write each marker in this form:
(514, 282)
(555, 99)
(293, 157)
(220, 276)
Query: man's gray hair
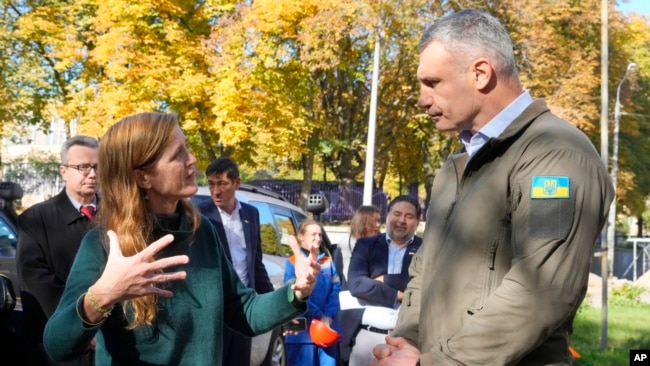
(470, 34)
(80, 140)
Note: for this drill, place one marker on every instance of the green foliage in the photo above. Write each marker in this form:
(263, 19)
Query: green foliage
(270, 83)
(627, 329)
(33, 172)
(634, 178)
(626, 294)
(270, 242)
(585, 302)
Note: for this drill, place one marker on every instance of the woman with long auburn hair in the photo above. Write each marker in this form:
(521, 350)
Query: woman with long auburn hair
(151, 283)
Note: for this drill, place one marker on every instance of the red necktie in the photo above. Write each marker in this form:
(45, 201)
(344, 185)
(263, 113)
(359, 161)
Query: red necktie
(88, 211)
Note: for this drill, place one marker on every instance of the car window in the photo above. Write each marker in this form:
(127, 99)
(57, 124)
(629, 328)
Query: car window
(270, 236)
(276, 224)
(286, 226)
(8, 239)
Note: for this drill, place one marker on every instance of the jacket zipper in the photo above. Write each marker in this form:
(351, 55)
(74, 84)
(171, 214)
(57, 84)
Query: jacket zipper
(453, 203)
(489, 278)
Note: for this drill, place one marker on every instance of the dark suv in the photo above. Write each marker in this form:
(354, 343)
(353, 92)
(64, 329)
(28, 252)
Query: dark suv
(10, 320)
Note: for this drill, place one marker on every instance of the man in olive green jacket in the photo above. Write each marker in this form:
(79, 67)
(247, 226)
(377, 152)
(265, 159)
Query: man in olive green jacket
(513, 219)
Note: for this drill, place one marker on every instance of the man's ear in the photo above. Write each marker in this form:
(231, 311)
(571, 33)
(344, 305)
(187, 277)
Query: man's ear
(142, 179)
(483, 73)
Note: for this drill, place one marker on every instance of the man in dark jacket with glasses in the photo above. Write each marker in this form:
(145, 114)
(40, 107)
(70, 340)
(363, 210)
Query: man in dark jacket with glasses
(49, 235)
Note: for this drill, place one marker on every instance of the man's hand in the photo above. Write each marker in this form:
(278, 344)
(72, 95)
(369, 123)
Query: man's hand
(396, 352)
(293, 332)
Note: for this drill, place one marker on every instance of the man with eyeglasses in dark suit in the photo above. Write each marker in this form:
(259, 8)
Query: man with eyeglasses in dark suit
(49, 235)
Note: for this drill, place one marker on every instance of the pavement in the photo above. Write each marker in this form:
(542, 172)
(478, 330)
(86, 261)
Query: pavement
(335, 233)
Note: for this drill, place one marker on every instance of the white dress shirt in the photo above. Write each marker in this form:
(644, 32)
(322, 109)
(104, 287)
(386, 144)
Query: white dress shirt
(236, 241)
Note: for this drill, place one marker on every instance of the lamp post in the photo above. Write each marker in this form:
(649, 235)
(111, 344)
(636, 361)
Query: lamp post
(368, 177)
(604, 128)
(370, 150)
(611, 228)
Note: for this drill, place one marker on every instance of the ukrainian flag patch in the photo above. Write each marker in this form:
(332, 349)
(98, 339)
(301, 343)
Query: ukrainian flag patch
(544, 187)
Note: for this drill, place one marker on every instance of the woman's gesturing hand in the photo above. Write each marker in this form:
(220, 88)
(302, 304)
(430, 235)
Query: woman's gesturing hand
(126, 278)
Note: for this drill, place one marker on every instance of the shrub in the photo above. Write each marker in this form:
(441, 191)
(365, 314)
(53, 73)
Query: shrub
(626, 294)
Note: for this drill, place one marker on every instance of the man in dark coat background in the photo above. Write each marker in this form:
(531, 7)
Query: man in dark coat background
(49, 235)
(238, 227)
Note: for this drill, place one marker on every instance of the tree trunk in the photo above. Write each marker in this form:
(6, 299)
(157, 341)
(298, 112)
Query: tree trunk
(308, 170)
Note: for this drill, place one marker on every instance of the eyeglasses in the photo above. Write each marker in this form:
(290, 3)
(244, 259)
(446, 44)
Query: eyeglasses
(84, 169)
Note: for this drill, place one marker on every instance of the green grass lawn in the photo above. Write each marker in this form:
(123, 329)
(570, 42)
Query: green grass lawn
(628, 328)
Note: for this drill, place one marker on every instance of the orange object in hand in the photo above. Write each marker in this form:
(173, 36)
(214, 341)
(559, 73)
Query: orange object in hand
(574, 353)
(322, 335)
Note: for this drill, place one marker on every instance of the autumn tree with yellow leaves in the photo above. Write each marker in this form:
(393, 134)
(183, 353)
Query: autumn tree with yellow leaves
(44, 61)
(310, 63)
(633, 186)
(284, 85)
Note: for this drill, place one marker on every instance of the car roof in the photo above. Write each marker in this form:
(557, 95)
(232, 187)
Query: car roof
(248, 193)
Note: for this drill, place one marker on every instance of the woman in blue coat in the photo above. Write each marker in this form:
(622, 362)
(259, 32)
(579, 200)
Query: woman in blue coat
(323, 303)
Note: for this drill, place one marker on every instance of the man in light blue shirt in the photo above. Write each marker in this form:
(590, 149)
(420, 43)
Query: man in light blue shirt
(378, 275)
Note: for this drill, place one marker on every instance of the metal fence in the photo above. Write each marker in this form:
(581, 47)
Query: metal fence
(39, 181)
(640, 261)
(343, 199)
(629, 263)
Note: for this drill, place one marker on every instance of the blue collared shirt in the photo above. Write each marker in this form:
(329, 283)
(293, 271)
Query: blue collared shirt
(496, 125)
(396, 255)
(77, 205)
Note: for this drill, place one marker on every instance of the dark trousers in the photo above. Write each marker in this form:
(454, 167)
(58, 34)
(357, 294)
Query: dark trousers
(236, 348)
(350, 320)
